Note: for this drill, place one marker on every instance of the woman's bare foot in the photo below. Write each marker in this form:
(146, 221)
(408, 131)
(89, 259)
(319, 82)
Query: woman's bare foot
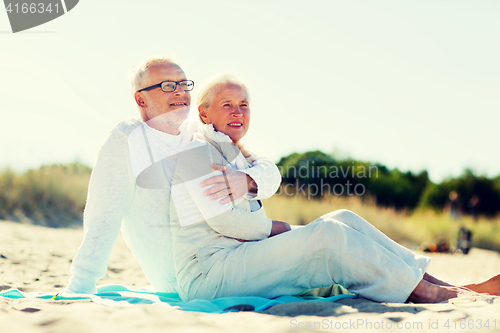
(491, 286)
(427, 292)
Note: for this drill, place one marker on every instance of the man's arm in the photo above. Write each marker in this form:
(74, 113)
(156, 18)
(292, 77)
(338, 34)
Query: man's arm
(109, 196)
(260, 181)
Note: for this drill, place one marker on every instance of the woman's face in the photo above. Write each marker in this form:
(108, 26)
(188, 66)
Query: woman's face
(229, 112)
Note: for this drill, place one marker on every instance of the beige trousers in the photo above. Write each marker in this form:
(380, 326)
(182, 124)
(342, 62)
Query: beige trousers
(339, 247)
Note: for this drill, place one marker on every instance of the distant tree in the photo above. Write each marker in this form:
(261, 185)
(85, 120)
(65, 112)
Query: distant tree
(397, 189)
(319, 170)
(466, 185)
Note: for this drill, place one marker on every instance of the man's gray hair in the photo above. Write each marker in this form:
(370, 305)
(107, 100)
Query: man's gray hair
(137, 75)
(209, 90)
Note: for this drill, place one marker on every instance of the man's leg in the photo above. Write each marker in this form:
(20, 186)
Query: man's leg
(490, 286)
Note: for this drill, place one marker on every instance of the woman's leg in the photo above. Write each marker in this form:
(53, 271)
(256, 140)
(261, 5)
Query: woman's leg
(491, 286)
(354, 254)
(358, 223)
(316, 255)
(427, 292)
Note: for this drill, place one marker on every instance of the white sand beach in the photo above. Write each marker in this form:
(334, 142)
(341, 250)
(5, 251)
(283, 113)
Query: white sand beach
(35, 258)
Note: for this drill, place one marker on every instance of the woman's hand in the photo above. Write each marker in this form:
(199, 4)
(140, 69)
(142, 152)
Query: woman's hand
(231, 185)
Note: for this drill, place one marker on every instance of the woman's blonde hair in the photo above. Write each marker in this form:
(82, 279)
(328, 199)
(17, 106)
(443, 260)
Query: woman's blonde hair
(209, 90)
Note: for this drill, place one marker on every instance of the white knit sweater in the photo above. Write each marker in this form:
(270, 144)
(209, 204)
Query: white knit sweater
(130, 190)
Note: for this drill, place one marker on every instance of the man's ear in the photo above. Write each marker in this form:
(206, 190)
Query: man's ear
(139, 99)
(204, 115)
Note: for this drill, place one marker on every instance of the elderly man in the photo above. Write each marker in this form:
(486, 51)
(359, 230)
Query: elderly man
(129, 187)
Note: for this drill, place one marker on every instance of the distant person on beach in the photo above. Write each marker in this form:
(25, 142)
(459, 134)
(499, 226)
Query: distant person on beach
(130, 189)
(129, 186)
(473, 206)
(453, 206)
(235, 250)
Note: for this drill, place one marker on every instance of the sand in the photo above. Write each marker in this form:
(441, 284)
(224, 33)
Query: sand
(35, 258)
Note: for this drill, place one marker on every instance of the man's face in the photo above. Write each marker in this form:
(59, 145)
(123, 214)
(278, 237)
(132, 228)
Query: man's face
(229, 112)
(156, 102)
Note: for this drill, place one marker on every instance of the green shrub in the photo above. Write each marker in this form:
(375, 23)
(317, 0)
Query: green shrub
(52, 195)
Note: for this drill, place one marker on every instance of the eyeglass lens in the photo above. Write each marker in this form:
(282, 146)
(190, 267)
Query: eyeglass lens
(170, 86)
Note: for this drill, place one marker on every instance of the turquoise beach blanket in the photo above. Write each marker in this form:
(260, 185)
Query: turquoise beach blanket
(119, 296)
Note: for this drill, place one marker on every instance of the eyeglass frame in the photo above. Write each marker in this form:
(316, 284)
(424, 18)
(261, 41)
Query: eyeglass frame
(159, 85)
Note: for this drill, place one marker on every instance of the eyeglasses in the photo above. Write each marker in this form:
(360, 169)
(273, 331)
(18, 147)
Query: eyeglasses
(169, 86)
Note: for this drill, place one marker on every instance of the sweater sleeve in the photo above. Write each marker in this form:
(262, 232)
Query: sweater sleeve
(110, 193)
(194, 166)
(266, 175)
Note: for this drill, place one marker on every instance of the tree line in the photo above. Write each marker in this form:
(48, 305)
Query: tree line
(316, 174)
(54, 195)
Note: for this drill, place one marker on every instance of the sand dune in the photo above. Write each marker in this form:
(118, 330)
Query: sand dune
(36, 258)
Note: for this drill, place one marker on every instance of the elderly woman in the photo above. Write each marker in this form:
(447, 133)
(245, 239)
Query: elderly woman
(233, 249)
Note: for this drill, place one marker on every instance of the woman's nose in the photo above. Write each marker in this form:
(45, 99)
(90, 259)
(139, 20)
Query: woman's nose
(237, 111)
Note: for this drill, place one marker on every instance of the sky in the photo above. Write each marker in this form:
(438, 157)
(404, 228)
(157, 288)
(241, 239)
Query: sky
(412, 84)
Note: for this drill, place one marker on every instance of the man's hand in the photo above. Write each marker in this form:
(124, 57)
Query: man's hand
(279, 228)
(244, 150)
(233, 184)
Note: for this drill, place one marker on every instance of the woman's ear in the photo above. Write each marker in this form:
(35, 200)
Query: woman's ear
(204, 115)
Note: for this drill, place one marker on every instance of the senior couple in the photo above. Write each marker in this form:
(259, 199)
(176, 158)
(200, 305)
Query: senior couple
(186, 197)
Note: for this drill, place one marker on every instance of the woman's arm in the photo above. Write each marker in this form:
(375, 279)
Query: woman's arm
(266, 176)
(193, 167)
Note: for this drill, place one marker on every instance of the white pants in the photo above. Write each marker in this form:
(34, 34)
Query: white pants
(339, 247)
